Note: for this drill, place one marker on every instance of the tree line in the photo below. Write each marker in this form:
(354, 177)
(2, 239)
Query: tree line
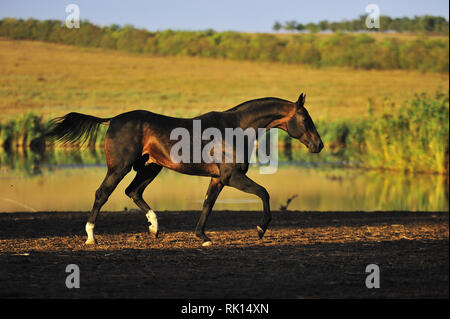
(359, 51)
(418, 24)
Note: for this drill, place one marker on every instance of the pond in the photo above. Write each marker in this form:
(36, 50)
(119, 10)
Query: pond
(69, 184)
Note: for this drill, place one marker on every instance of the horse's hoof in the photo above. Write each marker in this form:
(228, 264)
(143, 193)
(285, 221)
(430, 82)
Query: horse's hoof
(91, 241)
(154, 231)
(207, 243)
(261, 232)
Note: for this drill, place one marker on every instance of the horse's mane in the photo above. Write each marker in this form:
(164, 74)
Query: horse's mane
(256, 103)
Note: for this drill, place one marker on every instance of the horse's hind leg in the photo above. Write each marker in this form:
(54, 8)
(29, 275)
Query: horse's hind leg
(113, 177)
(144, 176)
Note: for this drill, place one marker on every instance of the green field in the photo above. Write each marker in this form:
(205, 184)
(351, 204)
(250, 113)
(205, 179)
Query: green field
(53, 79)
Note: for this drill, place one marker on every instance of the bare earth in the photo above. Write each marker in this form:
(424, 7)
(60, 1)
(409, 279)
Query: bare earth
(303, 255)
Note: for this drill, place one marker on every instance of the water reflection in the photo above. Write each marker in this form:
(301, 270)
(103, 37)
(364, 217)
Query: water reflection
(28, 163)
(66, 181)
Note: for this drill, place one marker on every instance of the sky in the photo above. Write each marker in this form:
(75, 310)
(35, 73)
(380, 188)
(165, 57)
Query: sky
(236, 15)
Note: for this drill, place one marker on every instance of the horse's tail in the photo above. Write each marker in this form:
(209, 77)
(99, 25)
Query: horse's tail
(75, 128)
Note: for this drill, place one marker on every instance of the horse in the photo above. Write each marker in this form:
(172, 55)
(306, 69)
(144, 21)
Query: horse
(141, 140)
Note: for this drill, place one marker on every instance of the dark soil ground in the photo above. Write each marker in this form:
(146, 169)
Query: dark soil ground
(303, 255)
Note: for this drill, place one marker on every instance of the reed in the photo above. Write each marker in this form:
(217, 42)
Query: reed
(22, 131)
(28, 131)
(414, 137)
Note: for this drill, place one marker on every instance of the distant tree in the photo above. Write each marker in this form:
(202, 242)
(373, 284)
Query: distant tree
(428, 23)
(299, 27)
(324, 25)
(334, 26)
(114, 27)
(290, 25)
(312, 27)
(424, 23)
(386, 23)
(277, 26)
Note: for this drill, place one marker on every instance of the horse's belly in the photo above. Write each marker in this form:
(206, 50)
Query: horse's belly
(158, 151)
(200, 169)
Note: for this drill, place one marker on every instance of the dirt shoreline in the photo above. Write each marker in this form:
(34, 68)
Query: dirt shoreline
(303, 255)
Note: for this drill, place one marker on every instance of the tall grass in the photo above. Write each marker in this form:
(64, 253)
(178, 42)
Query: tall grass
(23, 131)
(413, 138)
(28, 131)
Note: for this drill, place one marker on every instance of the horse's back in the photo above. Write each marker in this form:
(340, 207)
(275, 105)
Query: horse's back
(140, 116)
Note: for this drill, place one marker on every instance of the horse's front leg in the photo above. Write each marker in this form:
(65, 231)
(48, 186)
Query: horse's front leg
(215, 186)
(240, 181)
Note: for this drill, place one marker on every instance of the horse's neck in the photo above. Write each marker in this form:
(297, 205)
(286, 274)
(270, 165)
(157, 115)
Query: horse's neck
(265, 116)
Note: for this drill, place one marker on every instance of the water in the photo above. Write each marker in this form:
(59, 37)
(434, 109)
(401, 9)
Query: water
(69, 185)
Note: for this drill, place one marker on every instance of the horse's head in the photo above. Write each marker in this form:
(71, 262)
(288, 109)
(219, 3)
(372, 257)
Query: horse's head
(300, 126)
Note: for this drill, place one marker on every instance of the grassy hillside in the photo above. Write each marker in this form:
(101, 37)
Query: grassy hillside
(52, 79)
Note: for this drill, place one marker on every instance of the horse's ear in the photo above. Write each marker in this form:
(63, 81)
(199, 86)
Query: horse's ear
(301, 99)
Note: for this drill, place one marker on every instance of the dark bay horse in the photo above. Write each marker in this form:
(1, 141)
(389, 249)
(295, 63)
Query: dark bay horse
(141, 140)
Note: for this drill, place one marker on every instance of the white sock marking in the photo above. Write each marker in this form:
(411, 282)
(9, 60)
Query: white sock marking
(90, 232)
(153, 220)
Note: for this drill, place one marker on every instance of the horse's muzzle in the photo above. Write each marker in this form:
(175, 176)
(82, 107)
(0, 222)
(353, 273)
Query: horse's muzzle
(316, 148)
